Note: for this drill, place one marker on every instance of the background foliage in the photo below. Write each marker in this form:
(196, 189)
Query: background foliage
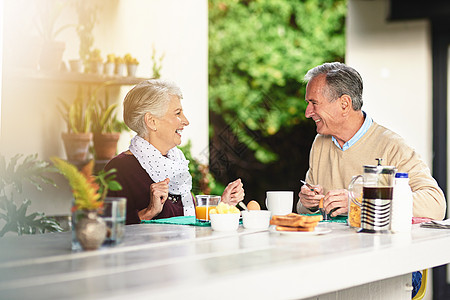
(14, 174)
(259, 51)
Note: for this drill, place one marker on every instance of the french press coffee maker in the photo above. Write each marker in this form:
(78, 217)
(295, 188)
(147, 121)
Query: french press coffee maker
(378, 185)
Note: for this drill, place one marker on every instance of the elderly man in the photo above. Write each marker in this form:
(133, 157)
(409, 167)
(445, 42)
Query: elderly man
(348, 139)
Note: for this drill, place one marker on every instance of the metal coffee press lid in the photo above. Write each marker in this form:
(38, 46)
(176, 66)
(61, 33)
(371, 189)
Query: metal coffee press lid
(379, 169)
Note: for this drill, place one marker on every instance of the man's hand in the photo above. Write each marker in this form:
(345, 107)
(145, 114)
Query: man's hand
(310, 197)
(233, 193)
(159, 192)
(336, 200)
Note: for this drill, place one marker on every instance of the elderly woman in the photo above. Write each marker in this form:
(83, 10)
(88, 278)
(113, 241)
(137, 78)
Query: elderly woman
(153, 172)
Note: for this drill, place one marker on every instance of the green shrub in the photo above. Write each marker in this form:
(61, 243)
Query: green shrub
(259, 52)
(202, 180)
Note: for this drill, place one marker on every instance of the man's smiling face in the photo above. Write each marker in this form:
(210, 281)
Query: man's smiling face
(327, 115)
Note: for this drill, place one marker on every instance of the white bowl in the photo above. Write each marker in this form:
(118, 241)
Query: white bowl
(256, 219)
(224, 222)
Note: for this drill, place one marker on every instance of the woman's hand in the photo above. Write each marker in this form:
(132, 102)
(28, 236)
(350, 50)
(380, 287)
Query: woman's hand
(233, 193)
(159, 192)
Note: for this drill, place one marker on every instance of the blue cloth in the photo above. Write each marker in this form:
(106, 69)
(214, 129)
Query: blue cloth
(416, 282)
(365, 126)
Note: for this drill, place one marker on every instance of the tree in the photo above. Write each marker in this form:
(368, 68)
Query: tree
(259, 51)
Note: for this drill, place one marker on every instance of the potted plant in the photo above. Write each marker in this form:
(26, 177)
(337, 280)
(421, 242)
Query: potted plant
(110, 64)
(46, 24)
(87, 18)
(77, 116)
(106, 129)
(120, 66)
(13, 176)
(89, 192)
(157, 64)
(95, 62)
(132, 64)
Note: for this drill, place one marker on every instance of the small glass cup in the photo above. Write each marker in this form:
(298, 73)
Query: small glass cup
(114, 215)
(203, 204)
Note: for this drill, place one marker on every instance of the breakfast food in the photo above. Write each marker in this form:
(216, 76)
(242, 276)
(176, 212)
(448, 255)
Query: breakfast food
(295, 222)
(354, 214)
(223, 208)
(286, 228)
(253, 205)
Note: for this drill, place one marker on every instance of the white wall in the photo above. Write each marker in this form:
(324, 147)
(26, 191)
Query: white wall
(30, 121)
(177, 29)
(394, 59)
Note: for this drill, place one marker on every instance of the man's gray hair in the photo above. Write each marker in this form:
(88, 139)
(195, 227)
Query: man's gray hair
(150, 96)
(341, 80)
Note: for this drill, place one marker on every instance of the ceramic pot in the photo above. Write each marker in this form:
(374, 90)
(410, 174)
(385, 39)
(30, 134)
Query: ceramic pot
(77, 145)
(120, 69)
(105, 145)
(76, 66)
(90, 231)
(51, 56)
(131, 70)
(109, 68)
(96, 67)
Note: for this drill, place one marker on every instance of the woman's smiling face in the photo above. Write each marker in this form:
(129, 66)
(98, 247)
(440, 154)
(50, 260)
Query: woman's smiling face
(169, 127)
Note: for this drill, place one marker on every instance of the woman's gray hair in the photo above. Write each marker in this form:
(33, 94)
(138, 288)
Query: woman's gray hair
(150, 96)
(341, 80)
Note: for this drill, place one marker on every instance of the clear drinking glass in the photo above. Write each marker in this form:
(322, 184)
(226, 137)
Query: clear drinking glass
(203, 204)
(114, 215)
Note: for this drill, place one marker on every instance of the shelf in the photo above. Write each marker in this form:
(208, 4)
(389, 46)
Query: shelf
(73, 78)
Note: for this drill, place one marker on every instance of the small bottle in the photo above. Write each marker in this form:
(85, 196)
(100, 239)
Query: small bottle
(402, 204)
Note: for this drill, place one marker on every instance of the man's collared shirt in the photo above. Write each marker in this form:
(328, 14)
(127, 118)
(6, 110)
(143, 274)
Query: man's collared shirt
(365, 126)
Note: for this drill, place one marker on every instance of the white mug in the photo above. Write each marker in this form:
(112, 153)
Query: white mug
(280, 202)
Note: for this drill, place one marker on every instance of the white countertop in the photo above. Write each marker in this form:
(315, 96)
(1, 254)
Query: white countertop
(174, 261)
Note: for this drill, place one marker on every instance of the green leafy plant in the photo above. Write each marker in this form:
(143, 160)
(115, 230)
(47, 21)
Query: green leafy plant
(157, 63)
(13, 175)
(87, 18)
(89, 191)
(104, 119)
(77, 114)
(203, 181)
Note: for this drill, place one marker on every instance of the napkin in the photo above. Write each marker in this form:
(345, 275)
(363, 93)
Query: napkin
(183, 220)
(418, 220)
(437, 224)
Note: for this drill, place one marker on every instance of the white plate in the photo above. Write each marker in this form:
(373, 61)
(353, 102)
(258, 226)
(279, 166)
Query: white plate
(317, 231)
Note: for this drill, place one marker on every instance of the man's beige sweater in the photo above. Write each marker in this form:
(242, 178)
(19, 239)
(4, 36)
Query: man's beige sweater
(333, 168)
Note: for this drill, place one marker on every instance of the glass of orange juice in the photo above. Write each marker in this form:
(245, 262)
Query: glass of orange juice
(203, 204)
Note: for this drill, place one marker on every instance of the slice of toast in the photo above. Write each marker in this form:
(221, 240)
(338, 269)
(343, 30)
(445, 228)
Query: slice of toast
(295, 220)
(286, 228)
